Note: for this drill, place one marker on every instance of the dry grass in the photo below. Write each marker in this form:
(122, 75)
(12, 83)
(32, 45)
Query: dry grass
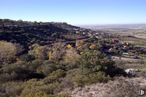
(121, 87)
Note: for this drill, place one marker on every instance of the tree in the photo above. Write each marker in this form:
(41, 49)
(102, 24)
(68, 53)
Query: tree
(58, 51)
(39, 52)
(8, 52)
(71, 56)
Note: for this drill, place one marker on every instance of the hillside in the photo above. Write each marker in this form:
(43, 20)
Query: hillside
(60, 60)
(27, 33)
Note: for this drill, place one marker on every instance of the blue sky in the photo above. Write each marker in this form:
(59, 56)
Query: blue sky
(76, 11)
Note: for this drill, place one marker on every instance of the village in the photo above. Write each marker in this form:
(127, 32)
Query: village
(132, 56)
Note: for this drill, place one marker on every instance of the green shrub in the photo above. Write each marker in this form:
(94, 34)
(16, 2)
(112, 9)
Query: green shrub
(87, 79)
(54, 76)
(42, 94)
(34, 64)
(46, 68)
(36, 94)
(71, 56)
(26, 57)
(11, 89)
(18, 71)
(39, 52)
(8, 52)
(34, 86)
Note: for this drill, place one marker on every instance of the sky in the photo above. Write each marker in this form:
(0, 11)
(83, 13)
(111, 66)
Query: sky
(77, 12)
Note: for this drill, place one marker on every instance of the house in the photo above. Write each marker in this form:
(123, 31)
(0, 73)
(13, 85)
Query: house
(125, 53)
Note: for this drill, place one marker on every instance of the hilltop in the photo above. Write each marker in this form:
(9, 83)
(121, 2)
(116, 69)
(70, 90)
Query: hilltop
(27, 33)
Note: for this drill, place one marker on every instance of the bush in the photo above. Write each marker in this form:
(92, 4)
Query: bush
(55, 76)
(36, 94)
(71, 56)
(39, 52)
(16, 71)
(11, 89)
(81, 79)
(43, 94)
(46, 68)
(34, 86)
(92, 67)
(94, 61)
(26, 58)
(34, 65)
(58, 51)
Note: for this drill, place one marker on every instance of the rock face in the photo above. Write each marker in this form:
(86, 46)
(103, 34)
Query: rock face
(121, 87)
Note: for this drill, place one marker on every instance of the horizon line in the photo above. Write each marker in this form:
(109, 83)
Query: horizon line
(77, 24)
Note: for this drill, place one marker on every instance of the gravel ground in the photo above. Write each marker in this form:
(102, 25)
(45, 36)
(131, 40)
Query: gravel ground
(121, 87)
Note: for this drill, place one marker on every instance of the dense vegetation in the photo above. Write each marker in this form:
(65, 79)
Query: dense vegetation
(41, 60)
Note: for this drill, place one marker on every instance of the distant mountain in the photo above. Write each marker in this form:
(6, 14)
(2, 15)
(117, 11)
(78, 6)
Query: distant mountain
(115, 26)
